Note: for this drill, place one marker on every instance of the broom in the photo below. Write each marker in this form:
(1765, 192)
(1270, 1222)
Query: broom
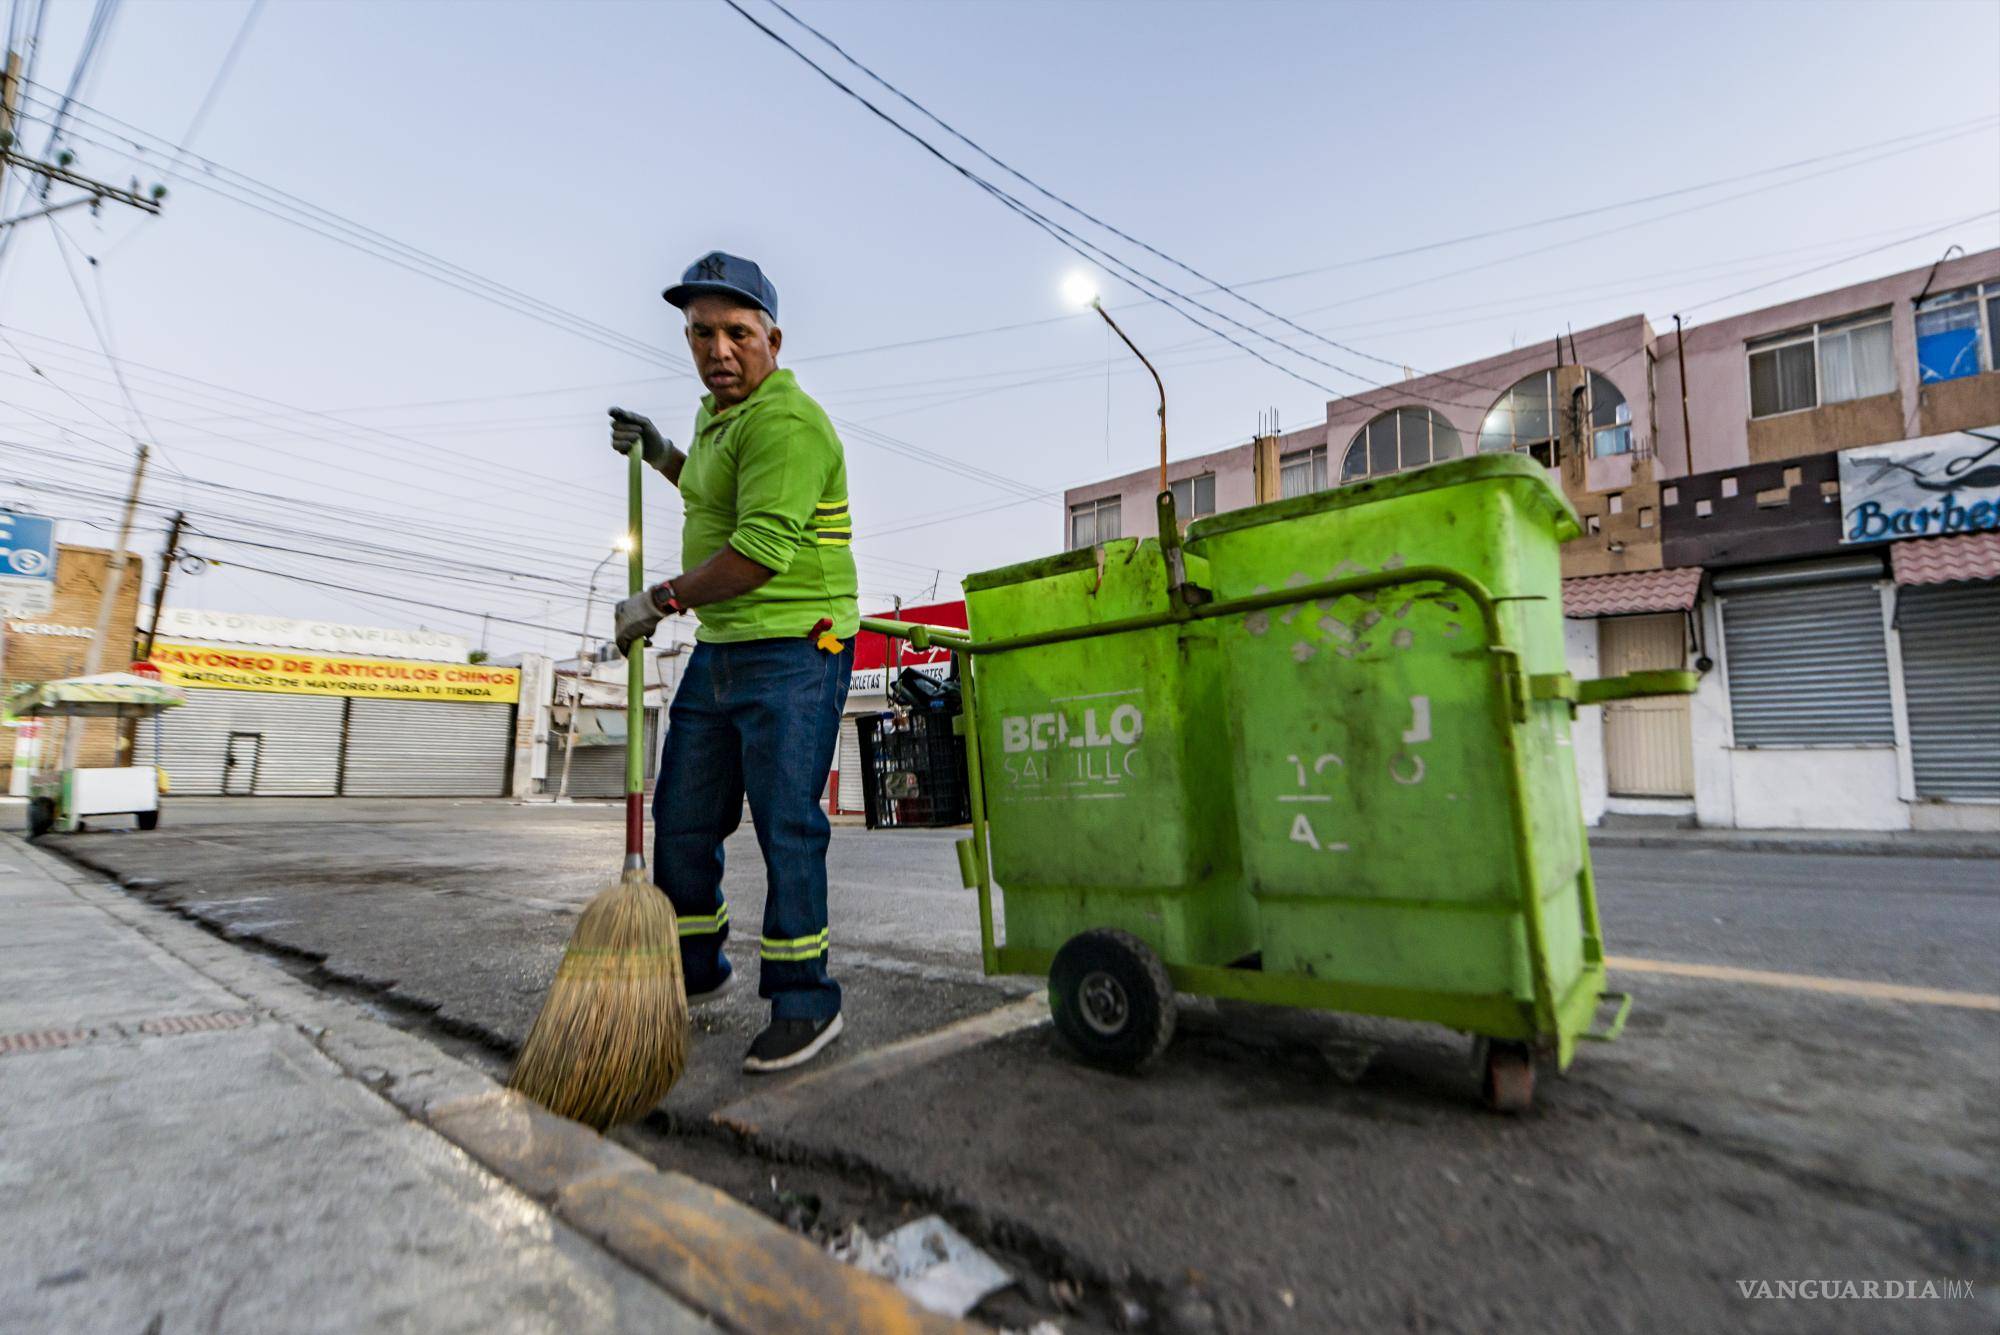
(612, 1035)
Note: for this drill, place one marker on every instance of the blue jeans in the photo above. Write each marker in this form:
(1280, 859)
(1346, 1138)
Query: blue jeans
(759, 719)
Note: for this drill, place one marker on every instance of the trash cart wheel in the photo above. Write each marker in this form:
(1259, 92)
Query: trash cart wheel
(41, 816)
(1507, 1077)
(1112, 999)
(148, 820)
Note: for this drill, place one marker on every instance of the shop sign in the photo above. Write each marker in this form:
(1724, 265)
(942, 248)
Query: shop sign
(1921, 488)
(874, 655)
(283, 672)
(317, 637)
(27, 564)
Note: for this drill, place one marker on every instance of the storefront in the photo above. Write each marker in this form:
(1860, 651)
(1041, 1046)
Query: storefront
(285, 708)
(1947, 628)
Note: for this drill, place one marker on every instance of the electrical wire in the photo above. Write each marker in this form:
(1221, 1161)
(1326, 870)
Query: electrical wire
(1172, 298)
(222, 73)
(1215, 284)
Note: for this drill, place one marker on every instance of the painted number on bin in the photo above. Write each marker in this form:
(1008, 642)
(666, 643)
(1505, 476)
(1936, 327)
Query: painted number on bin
(1406, 767)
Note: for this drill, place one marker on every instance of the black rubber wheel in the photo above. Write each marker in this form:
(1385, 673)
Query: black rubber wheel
(148, 820)
(1507, 1077)
(1112, 999)
(41, 816)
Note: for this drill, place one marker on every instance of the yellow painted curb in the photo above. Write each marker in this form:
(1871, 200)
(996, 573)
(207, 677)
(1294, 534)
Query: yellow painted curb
(1807, 982)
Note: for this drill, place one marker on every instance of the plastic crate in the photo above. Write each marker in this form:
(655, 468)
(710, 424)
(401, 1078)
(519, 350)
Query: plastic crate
(913, 770)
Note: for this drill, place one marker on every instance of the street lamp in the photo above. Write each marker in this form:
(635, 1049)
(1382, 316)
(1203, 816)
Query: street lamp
(1082, 289)
(620, 547)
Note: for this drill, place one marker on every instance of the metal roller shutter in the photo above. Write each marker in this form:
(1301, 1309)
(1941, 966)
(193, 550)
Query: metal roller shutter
(595, 771)
(849, 760)
(428, 748)
(298, 754)
(1808, 665)
(1948, 633)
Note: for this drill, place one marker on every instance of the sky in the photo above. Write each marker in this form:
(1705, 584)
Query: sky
(352, 436)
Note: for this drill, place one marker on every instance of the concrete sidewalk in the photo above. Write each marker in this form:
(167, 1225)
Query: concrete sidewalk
(1889, 843)
(190, 1139)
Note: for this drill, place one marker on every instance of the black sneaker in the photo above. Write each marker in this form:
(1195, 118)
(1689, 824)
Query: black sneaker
(788, 1043)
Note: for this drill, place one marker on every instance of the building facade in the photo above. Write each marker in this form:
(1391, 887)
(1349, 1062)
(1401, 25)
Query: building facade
(1809, 517)
(284, 707)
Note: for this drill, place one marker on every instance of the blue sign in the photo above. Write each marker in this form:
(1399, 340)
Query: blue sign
(1930, 487)
(27, 546)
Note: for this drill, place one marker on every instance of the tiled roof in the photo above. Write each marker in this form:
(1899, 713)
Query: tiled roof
(1638, 591)
(1942, 560)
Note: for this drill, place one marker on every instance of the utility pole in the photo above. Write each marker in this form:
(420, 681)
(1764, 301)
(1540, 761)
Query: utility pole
(10, 155)
(1687, 430)
(94, 192)
(10, 96)
(114, 576)
(170, 554)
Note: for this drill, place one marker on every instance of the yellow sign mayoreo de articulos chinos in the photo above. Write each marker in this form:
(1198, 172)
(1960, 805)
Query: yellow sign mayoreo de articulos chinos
(287, 672)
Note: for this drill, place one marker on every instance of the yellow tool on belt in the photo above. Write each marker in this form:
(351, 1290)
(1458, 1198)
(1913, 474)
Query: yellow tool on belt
(823, 637)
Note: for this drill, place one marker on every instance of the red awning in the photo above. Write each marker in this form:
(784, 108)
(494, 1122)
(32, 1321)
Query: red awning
(1638, 591)
(1943, 560)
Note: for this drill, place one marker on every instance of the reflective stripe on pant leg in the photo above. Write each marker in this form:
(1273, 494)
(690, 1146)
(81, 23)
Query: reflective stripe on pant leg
(705, 926)
(798, 948)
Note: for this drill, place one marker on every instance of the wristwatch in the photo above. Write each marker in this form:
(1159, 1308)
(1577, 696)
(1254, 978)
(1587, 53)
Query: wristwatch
(667, 599)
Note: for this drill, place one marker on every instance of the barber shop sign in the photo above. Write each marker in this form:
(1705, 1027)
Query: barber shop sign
(1921, 488)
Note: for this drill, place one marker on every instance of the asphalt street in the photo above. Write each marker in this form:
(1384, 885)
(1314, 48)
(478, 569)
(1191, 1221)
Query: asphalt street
(1277, 1170)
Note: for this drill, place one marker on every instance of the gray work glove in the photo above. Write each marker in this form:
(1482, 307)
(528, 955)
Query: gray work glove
(629, 429)
(640, 615)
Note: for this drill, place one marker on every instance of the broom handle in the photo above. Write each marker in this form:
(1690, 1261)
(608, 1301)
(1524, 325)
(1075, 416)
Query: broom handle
(635, 675)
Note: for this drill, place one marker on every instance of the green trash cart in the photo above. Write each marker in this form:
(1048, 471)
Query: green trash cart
(1317, 755)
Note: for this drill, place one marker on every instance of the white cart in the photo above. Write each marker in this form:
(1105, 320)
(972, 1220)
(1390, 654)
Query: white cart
(60, 800)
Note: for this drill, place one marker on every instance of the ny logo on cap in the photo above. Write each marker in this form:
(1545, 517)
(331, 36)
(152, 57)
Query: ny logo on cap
(709, 269)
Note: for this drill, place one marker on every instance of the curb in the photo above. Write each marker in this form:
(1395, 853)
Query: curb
(719, 1257)
(1901, 846)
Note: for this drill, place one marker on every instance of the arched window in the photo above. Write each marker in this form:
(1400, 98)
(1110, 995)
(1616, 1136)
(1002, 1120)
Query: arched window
(1524, 419)
(1527, 419)
(1398, 439)
(1610, 418)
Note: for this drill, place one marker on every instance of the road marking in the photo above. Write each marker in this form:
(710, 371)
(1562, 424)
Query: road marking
(1806, 982)
(751, 1115)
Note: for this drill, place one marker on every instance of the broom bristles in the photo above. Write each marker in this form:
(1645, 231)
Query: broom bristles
(612, 1036)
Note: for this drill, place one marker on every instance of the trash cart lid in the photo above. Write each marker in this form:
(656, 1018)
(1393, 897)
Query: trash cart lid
(101, 695)
(1062, 563)
(1433, 477)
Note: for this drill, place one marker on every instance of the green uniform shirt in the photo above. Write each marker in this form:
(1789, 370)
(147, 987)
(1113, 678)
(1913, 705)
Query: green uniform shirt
(767, 477)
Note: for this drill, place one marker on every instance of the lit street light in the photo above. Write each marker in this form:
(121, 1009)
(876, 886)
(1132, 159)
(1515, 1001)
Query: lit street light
(1080, 289)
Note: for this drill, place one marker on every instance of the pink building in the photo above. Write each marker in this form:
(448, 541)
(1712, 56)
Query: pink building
(1811, 518)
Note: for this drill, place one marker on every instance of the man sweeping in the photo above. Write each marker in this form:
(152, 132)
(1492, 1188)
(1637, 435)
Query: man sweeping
(767, 571)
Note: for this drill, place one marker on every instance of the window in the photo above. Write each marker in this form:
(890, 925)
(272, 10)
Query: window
(1825, 363)
(1093, 522)
(1302, 472)
(1194, 496)
(1958, 333)
(1524, 419)
(1610, 418)
(1398, 439)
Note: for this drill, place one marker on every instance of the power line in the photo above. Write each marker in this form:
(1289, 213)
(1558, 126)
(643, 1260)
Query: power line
(1215, 284)
(1174, 300)
(221, 77)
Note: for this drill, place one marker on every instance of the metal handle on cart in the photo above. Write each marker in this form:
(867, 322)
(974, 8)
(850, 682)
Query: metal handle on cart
(1599, 690)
